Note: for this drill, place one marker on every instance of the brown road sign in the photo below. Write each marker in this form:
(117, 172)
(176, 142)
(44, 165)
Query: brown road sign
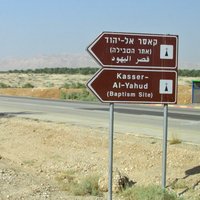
(112, 49)
(134, 86)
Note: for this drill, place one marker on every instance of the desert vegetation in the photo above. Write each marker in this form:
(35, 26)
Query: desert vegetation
(90, 70)
(58, 70)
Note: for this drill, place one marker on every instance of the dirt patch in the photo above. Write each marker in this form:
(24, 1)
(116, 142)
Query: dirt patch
(50, 93)
(184, 93)
(34, 153)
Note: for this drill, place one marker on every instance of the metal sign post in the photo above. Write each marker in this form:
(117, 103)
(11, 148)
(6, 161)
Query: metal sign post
(111, 150)
(164, 154)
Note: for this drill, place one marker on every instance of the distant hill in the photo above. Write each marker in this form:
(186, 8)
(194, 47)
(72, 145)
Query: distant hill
(48, 61)
(190, 66)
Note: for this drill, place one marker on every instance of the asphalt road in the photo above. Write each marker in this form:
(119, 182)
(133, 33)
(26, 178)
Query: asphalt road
(137, 119)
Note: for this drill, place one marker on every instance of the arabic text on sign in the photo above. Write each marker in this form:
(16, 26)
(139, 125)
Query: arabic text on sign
(121, 59)
(143, 60)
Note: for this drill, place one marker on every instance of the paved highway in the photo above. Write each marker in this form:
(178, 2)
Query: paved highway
(129, 118)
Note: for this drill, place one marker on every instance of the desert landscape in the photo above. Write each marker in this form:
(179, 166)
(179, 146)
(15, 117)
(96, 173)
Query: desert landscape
(51, 160)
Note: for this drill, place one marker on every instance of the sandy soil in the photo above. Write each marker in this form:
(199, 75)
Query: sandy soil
(33, 154)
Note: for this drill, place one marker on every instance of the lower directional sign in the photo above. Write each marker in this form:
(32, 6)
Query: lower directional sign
(134, 85)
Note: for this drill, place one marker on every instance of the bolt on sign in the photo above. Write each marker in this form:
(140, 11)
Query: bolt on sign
(134, 85)
(112, 49)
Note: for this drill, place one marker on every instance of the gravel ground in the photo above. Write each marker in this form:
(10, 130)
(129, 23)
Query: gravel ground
(34, 154)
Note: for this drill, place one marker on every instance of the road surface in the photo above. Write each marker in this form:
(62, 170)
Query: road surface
(137, 119)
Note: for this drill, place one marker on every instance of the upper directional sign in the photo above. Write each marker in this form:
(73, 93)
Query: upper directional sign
(135, 50)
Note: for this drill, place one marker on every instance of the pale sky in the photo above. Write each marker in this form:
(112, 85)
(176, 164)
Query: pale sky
(47, 27)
